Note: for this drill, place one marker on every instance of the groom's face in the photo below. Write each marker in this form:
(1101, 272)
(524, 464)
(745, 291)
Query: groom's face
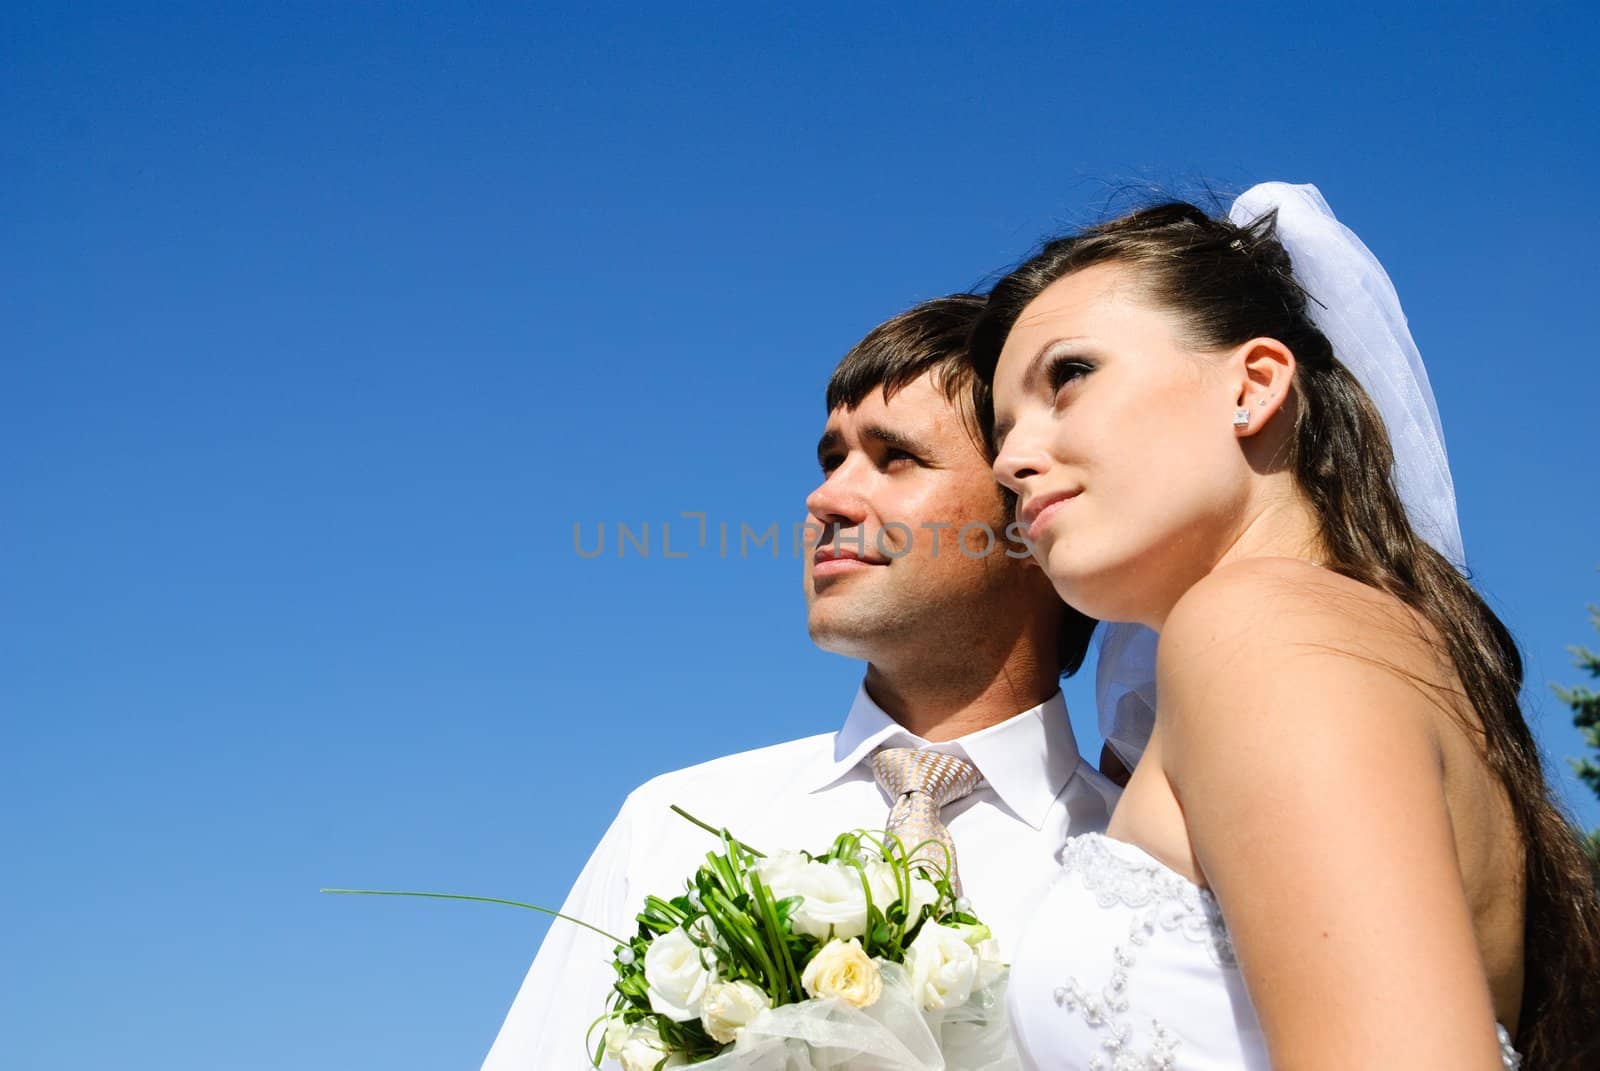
(900, 478)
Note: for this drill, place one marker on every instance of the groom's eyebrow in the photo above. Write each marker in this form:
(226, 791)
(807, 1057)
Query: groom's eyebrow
(892, 438)
(828, 444)
(832, 442)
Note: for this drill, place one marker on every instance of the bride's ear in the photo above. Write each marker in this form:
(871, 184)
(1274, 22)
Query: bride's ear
(1266, 371)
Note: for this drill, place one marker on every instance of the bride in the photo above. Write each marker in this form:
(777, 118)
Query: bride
(1338, 849)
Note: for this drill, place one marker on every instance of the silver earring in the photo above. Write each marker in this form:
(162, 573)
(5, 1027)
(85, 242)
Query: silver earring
(1241, 418)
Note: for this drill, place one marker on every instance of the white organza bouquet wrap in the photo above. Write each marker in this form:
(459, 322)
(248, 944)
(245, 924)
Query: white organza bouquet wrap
(894, 1033)
(860, 958)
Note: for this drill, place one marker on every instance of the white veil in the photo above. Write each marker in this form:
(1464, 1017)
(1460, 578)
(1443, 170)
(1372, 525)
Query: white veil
(1354, 304)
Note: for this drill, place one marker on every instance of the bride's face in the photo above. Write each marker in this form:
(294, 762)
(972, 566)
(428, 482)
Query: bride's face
(1118, 440)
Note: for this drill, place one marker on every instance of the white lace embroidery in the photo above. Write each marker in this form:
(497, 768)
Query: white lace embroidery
(1508, 1052)
(1168, 899)
(1161, 901)
(1164, 900)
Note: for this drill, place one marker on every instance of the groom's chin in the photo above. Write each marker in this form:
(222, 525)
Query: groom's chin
(838, 631)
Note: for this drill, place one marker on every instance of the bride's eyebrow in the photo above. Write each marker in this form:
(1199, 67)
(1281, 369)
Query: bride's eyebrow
(1030, 378)
(1035, 369)
(1001, 430)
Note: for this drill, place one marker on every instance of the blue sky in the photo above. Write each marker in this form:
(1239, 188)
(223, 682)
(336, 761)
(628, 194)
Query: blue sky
(324, 324)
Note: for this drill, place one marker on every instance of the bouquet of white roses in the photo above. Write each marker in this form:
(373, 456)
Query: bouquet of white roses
(860, 957)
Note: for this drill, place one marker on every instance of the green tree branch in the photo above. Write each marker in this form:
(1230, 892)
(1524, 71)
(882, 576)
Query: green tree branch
(1585, 704)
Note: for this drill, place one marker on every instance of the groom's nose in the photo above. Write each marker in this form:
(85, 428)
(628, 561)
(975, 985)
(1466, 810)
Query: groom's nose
(838, 502)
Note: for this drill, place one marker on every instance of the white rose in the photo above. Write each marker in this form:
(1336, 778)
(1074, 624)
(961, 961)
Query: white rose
(885, 890)
(706, 934)
(843, 969)
(923, 893)
(880, 879)
(729, 1007)
(781, 869)
(676, 975)
(617, 1033)
(990, 965)
(639, 1048)
(942, 965)
(833, 902)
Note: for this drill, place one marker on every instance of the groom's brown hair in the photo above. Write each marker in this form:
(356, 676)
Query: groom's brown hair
(930, 337)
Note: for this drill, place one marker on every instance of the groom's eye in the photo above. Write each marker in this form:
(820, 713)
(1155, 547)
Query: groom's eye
(829, 462)
(894, 455)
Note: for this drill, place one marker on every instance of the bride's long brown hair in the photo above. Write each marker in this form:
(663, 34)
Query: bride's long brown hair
(1227, 284)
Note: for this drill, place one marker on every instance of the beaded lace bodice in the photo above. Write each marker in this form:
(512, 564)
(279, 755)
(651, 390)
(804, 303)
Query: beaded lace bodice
(1128, 966)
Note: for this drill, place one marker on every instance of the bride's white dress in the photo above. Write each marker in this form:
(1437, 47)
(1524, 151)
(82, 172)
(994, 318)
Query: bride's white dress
(1127, 966)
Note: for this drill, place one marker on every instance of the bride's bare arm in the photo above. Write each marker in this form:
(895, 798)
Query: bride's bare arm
(1309, 770)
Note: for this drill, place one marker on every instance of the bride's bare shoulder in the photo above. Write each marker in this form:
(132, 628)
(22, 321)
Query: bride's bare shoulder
(1287, 604)
(1259, 638)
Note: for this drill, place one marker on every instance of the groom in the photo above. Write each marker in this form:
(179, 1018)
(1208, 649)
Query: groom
(964, 642)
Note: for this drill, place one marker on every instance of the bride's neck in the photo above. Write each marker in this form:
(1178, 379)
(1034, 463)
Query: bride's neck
(1281, 525)
(1284, 526)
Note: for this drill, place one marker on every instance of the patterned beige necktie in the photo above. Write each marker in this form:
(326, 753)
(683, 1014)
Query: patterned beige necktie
(921, 783)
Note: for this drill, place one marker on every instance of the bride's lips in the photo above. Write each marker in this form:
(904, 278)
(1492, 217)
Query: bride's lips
(1036, 512)
(834, 560)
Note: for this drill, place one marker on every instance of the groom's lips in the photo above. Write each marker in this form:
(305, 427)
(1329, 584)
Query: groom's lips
(833, 560)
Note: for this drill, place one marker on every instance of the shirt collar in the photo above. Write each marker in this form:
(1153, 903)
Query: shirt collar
(1027, 759)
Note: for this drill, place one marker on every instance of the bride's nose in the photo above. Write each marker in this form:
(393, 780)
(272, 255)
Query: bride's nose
(1021, 458)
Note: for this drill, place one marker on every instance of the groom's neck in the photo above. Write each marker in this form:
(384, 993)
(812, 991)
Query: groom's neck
(941, 701)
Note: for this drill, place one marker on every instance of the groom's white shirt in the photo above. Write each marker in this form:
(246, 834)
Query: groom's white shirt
(1036, 792)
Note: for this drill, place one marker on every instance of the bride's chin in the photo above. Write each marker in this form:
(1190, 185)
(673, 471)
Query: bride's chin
(1091, 592)
(1099, 609)
(1076, 595)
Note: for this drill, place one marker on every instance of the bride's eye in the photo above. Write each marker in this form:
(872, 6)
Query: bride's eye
(1065, 370)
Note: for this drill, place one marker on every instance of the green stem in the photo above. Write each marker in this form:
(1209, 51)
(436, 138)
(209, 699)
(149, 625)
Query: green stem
(773, 931)
(661, 915)
(480, 900)
(733, 922)
(714, 831)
